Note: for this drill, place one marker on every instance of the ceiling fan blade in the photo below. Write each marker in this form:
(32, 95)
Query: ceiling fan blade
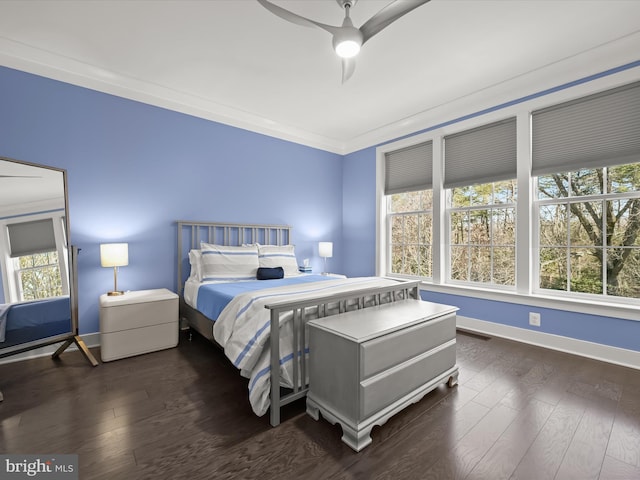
(387, 16)
(295, 18)
(348, 67)
(19, 176)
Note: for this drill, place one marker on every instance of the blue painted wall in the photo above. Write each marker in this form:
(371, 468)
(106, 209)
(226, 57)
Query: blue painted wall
(134, 169)
(591, 328)
(359, 213)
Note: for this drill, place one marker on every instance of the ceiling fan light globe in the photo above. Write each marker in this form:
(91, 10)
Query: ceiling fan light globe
(347, 41)
(347, 49)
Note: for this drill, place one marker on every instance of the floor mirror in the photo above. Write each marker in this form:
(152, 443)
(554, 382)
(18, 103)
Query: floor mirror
(38, 274)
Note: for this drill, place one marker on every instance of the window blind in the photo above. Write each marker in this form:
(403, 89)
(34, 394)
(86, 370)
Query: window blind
(409, 169)
(599, 130)
(27, 238)
(481, 155)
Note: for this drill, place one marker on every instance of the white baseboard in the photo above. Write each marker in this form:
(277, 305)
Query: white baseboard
(90, 339)
(596, 351)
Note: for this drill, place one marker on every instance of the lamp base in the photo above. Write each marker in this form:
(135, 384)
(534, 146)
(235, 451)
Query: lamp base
(115, 293)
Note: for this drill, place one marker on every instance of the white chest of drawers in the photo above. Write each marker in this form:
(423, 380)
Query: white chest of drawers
(367, 365)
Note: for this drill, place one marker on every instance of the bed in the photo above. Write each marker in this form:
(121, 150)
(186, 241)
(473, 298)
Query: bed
(25, 322)
(261, 324)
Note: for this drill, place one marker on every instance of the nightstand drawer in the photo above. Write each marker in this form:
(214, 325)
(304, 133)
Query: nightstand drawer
(116, 345)
(138, 315)
(397, 347)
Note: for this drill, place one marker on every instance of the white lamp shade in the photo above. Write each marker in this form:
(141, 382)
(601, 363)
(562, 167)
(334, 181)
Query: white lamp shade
(114, 254)
(325, 249)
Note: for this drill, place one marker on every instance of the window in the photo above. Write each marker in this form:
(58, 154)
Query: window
(589, 231)
(409, 210)
(410, 217)
(585, 156)
(38, 276)
(482, 221)
(33, 258)
(480, 172)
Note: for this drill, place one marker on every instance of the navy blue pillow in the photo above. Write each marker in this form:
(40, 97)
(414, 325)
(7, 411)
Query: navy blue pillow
(265, 273)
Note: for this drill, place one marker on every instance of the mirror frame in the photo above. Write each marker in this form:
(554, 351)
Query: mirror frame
(72, 335)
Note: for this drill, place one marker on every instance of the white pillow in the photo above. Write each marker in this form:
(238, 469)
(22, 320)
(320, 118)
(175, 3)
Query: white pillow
(279, 256)
(228, 263)
(195, 260)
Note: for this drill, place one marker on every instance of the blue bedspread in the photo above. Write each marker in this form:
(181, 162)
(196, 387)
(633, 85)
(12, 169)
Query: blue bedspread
(28, 321)
(212, 298)
(38, 312)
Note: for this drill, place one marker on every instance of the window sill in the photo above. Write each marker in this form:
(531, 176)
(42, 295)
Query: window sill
(605, 309)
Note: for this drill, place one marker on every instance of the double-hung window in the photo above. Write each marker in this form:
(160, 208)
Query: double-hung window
(480, 178)
(482, 222)
(586, 160)
(411, 222)
(408, 195)
(38, 276)
(35, 259)
(589, 231)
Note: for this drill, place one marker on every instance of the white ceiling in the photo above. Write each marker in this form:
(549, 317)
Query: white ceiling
(24, 186)
(233, 61)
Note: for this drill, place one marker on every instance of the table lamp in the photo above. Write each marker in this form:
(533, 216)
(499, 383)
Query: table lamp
(114, 255)
(325, 249)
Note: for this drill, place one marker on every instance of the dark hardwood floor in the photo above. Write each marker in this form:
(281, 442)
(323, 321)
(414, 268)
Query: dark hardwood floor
(519, 412)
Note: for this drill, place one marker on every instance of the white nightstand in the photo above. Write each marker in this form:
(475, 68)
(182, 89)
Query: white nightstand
(137, 322)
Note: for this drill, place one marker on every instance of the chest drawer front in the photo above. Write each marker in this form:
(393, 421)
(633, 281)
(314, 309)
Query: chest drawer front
(382, 390)
(389, 350)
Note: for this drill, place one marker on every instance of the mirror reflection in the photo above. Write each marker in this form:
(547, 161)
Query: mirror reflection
(35, 281)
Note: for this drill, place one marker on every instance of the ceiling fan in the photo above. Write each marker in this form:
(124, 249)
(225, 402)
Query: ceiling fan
(348, 39)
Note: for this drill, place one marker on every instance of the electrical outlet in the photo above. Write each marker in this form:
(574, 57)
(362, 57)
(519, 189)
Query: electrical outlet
(534, 319)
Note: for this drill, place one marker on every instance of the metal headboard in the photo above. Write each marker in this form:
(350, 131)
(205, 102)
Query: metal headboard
(191, 234)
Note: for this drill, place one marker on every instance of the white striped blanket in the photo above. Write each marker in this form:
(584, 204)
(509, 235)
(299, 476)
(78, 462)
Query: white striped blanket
(243, 328)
